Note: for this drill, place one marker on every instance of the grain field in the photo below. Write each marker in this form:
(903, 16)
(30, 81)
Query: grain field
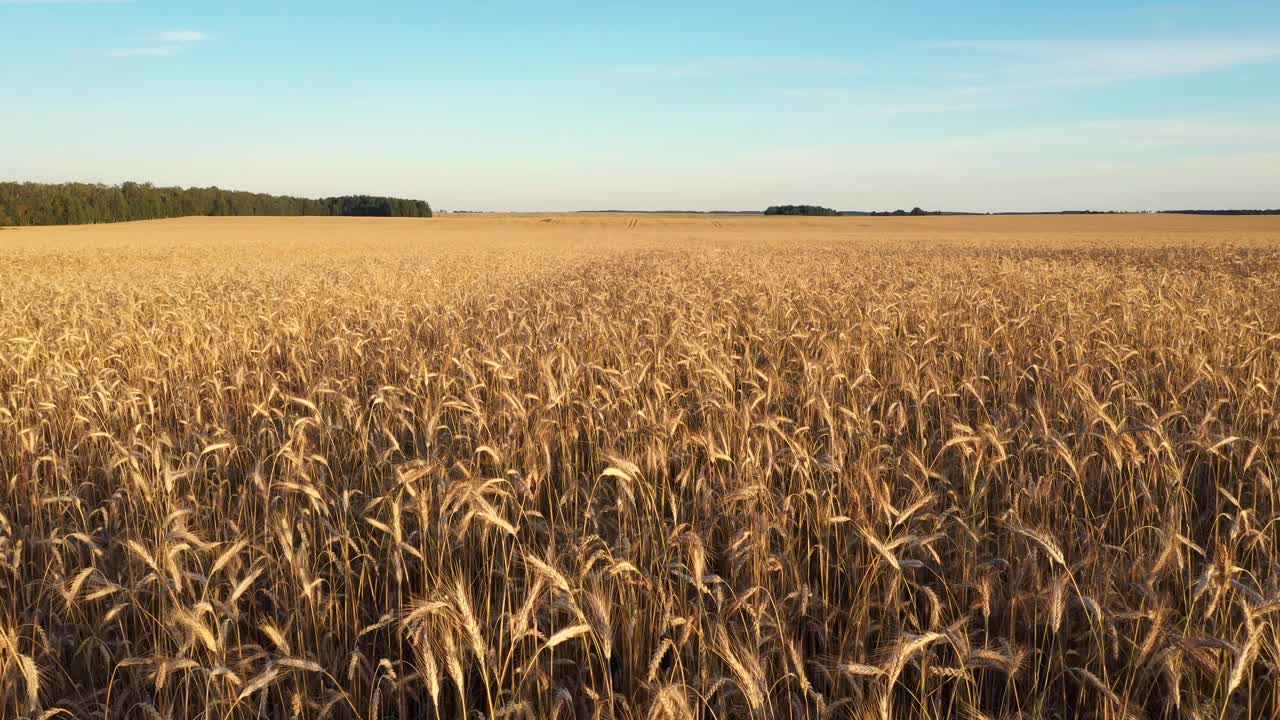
(657, 466)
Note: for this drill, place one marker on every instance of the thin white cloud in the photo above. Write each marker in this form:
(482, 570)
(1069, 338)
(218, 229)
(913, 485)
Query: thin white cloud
(1096, 63)
(977, 75)
(182, 36)
(170, 42)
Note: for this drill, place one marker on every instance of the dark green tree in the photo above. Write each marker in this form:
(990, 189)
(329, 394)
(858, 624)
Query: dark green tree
(75, 203)
(816, 210)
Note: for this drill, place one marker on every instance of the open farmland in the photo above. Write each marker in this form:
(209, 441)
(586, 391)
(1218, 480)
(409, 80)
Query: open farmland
(641, 466)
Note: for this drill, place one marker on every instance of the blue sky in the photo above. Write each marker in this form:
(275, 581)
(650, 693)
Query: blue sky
(725, 105)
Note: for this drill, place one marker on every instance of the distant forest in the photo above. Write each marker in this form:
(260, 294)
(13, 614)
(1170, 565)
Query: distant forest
(914, 212)
(1222, 212)
(917, 212)
(800, 210)
(818, 210)
(79, 203)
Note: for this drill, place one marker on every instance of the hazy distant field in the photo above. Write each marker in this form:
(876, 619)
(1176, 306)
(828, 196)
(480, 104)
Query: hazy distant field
(641, 467)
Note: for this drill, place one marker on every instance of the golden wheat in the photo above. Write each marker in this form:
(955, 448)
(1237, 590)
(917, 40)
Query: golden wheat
(755, 467)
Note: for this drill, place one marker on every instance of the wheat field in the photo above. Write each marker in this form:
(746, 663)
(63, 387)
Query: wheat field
(617, 466)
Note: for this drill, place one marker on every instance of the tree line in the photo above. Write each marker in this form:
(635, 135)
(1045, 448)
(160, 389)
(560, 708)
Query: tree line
(800, 210)
(818, 210)
(913, 212)
(79, 203)
(1222, 212)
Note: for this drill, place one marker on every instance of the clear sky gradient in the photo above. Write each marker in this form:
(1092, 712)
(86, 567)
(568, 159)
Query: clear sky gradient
(714, 105)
